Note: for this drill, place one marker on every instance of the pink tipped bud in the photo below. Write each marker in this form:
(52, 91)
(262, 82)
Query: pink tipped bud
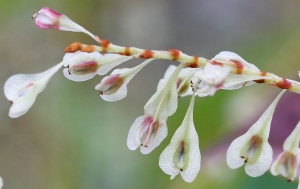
(48, 18)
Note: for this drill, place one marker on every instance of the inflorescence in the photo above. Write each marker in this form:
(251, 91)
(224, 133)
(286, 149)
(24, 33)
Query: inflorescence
(194, 76)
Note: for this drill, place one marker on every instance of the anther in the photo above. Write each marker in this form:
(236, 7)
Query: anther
(35, 13)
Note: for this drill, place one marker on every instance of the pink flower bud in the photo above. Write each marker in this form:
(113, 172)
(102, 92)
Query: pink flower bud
(48, 18)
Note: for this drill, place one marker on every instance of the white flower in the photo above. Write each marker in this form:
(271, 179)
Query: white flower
(82, 66)
(287, 162)
(22, 89)
(114, 87)
(182, 155)
(148, 131)
(212, 78)
(48, 18)
(252, 148)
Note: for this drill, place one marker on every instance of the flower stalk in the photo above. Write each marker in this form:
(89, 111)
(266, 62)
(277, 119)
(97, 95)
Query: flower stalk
(192, 61)
(195, 76)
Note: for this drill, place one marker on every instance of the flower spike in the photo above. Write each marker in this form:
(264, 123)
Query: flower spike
(114, 87)
(287, 162)
(22, 89)
(182, 155)
(252, 148)
(48, 18)
(82, 66)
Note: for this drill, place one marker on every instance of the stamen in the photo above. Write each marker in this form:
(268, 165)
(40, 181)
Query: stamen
(250, 150)
(35, 14)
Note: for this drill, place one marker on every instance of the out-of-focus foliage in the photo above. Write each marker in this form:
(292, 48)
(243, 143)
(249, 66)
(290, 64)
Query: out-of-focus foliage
(71, 138)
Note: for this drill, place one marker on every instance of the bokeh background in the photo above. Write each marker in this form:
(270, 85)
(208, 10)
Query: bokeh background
(72, 139)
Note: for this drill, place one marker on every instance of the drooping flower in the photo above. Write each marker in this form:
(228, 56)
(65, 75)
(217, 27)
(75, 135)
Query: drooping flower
(287, 162)
(212, 78)
(149, 130)
(48, 18)
(252, 148)
(82, 66)
(186, 75)
(114, 87)
(182, 155)
(22, 89)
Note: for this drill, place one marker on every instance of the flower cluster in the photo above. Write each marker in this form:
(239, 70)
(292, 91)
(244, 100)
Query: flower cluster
(194, 76)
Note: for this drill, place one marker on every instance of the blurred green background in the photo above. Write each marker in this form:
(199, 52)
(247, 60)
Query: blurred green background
(72, 139)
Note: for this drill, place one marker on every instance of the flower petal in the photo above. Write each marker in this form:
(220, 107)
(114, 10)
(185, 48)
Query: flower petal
(236, 81)
(262, 164)
(82, 66)
(1, 182)
(140, 128)
(227, 55)
(182, 155)
(291, 144)
(233, 157)
(166, 97)
(212, 78)
(287, 162)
